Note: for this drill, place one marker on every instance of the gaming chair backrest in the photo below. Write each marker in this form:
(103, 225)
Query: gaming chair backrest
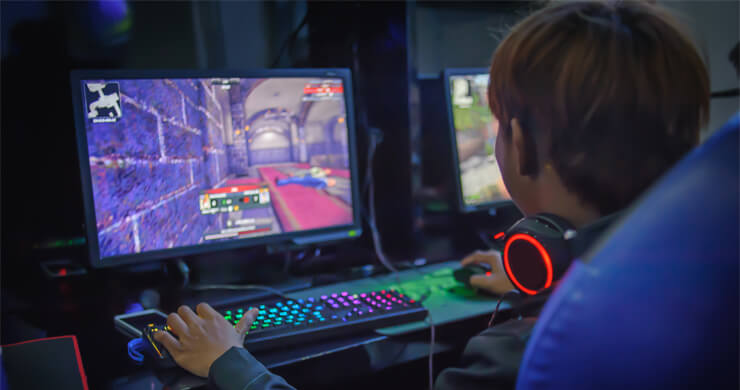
(655, 304)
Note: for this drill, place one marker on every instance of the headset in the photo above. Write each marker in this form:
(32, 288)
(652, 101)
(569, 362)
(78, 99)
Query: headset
(537, 250)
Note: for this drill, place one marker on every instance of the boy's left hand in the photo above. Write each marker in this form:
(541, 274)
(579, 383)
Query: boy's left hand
(495, 281)
(202, 337)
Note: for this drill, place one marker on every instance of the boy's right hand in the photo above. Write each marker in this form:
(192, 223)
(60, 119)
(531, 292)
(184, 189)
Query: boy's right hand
(497, 282)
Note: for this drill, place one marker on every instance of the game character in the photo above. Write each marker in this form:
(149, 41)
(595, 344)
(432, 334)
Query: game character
(315, 177)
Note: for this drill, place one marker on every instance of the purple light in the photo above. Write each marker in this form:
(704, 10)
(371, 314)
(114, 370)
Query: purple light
(324, 297)
(334, 295)
(346, 303)
(334, 305)
(363, 295)
(356, 302)
(134, 307)
(369, 310)
(360, 313)
(344, 293)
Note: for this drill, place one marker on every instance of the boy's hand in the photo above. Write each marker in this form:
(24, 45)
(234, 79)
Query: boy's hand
(497, 282)
(202, 337)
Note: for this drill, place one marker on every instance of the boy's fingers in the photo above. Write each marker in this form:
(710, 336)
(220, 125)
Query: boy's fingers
(471, 259)
(205, 310)
(497, 283)
(188, 315)
(177, 325)
(243, 325)
(172, 344)
(480, 257)
(482, 281)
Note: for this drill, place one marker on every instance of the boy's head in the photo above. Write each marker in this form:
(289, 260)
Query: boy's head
(595, 100)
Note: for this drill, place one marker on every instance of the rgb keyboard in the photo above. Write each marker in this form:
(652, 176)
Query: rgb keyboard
(287, 322)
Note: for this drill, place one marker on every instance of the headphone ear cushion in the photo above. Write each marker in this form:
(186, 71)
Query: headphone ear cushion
(533, 264)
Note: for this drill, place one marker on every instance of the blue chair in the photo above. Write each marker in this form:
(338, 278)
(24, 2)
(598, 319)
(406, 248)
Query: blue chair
(655, 304)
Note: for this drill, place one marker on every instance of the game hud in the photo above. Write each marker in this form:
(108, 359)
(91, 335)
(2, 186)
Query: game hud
(180, 162)
(475, 131)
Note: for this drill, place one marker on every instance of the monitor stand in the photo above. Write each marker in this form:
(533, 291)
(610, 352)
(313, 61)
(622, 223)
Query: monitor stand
(229, 278)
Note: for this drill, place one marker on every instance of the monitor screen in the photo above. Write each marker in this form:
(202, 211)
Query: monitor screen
(474, 131)
(177, 165)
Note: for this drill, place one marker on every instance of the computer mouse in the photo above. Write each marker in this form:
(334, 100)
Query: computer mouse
(463, 274)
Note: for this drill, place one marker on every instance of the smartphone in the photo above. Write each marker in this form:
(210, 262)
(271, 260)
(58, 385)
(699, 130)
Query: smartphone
(132, 324)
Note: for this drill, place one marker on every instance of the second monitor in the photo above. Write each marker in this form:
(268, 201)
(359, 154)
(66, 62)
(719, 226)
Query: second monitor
(474, 130)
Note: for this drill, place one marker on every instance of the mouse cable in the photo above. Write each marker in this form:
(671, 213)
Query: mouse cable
(238, 287)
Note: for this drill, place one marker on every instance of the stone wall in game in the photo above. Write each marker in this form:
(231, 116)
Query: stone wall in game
(150, 165)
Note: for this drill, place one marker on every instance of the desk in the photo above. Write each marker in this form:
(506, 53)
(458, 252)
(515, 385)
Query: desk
(397, 356)
(458, 314)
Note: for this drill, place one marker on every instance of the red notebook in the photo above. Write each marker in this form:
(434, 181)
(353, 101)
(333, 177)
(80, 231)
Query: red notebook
(50, 363)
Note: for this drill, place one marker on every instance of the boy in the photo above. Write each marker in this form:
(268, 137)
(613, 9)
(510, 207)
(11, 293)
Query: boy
(595, 101)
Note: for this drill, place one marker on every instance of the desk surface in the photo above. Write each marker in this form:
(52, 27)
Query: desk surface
(446, 299)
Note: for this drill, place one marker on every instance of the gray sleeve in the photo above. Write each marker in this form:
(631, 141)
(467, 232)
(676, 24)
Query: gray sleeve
(491, 359)
(237, 369)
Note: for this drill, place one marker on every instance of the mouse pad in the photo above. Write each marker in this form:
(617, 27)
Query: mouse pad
(446, 299)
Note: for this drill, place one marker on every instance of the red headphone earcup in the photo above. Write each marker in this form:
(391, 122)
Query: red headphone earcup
(534, 264)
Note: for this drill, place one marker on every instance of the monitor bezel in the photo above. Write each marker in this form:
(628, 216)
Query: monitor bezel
(348, 231)
(461, 205)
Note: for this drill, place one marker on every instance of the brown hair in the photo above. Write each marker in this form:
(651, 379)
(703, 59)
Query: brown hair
(613, 93)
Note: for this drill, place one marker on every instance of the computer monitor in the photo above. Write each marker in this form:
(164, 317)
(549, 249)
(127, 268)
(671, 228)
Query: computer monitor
(183, 162)
(479, 185)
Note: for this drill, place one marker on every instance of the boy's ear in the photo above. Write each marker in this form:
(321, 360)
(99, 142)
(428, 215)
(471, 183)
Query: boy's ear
(520, 158)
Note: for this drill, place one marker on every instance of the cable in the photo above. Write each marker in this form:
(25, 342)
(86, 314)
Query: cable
(501, 299)
(370, 185)
(135, 348)
(291, 38)
(206, 287)
(430, 321)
